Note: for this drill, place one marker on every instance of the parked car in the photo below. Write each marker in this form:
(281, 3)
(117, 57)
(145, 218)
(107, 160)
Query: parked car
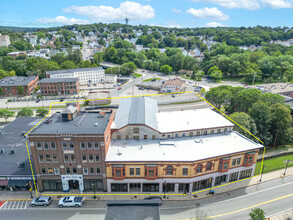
(173, 95)
(139, 88)
(157, 198)
(153, 80)
(62, 99)
(38, 100)
(71, 201)
(118, 88)
(42, 200)
(95, 84)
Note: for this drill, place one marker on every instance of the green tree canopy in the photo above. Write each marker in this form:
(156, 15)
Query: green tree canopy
(246, 121)
(257, 214)
(4, 113)
(42, 112)
(25, 112)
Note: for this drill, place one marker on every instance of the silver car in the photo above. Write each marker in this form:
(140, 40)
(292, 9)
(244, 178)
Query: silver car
(42, 200)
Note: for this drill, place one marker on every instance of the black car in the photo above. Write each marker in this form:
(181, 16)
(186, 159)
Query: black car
(156, 198)
(38, 100)
(62, 99)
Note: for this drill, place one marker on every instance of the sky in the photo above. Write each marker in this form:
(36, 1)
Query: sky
(168, 13)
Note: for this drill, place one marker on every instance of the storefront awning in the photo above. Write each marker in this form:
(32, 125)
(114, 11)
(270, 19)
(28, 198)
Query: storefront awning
(4, 182)
(18, 182)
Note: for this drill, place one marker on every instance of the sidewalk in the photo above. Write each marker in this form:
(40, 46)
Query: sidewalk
(25, 195)
(273, 153)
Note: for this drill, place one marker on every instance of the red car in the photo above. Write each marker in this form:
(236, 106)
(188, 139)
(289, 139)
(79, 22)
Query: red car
(119, 88)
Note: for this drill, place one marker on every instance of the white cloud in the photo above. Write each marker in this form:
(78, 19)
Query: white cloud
(102, 13)
(208, 13)
(62, 20)
(215, 24)
(251, 4)
(174, 10)
(277, 4)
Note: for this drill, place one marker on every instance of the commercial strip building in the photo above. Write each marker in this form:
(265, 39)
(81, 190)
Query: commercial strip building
(10, 85)
(285, 89)
(179, 152)
(15, 170)
(57, 86)
(172, 85)
(69, 150)
(85, 75)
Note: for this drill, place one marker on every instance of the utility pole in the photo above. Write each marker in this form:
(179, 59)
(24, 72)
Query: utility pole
(288, 161)
(261, 172)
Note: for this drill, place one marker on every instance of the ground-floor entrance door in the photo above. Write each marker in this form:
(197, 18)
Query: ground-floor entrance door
(73, 184)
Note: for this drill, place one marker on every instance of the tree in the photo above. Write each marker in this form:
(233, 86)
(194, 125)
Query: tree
(257, 214)
(4, 113)
(219, 96)
(166, 69)
(1, 91)
(261, 114)
(215, 73)
(245, 121)
(68, 65)
(25, 112)
(42, 112)
(3, 74)
(20, 90)
(280, 124)
(98, 58)
(128, 68)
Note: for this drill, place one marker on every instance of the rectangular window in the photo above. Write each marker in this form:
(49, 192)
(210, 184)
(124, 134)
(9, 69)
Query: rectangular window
(218, 131)
(226, 166)
(92, 170)
(89, 145)
(118, 173)
(55, 158)
(39, 145)
(245, 174)
(238, 160)
(50, 171)
(153, 137)
(169, 136)
(250, 159)
(135, 130)
(176, 135)
(83, 158)
(212, 131)
(46, 146)
(198, 133)
(66, 158)
(82, 145)
(85, 171)
(56, 171)
(44, 171)
(97, 146)
(151, 173)
(135, 137)
(137, 171)
(64, 145)
(74, 171)
(71, 146)
(234, 162)
(183, 135)
(131, 171)
(233, 177)
(184, 171)
(41, 158)
(205, 132)
(97, 158)
(67, 170)
(98, 170)
(53, 146)
(190, 134)
(48, 158)
(73, 159)
(126, 137)
(91, 158)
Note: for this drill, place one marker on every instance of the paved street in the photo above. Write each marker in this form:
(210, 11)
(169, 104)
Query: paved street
(272, 196)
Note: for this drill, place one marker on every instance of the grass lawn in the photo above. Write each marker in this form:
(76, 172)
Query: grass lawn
(150, 79)
(274, 164)
(137, 75)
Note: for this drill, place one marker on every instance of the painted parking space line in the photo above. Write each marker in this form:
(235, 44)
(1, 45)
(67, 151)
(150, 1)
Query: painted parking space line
(15, 205)
(2, 203)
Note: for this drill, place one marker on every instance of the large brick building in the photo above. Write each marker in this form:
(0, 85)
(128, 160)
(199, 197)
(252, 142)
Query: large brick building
(69, 150)
(179, 152)
(58, 86)
(11, 85)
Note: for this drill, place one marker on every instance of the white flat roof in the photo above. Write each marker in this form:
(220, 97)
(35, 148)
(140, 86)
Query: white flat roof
(179, 149)
(190, 120)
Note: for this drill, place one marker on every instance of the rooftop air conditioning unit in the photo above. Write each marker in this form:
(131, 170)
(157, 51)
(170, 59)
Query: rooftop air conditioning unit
(20, 164)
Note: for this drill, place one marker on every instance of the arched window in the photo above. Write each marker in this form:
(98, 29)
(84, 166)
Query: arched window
(199, 168)
(169, 170)
(209, 166)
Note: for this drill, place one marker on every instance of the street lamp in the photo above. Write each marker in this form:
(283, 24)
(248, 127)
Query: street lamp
(288, 161)
(94, 186)
(262, 172)
(165, 189)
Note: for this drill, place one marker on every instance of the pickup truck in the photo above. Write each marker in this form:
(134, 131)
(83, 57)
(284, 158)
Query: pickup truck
(71, 201)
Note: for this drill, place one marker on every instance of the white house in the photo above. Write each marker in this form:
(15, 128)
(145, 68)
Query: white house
(172, 85)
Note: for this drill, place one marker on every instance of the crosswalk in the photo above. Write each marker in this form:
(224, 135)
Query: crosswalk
(12, 205)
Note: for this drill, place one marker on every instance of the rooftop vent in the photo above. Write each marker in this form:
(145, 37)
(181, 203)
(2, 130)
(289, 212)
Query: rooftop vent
(118, 153)
(20, 164)
(96, 124)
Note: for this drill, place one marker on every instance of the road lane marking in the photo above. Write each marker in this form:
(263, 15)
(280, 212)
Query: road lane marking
(251, 207)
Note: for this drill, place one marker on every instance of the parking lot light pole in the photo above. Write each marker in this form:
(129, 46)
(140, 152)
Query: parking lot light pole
(261, 173)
